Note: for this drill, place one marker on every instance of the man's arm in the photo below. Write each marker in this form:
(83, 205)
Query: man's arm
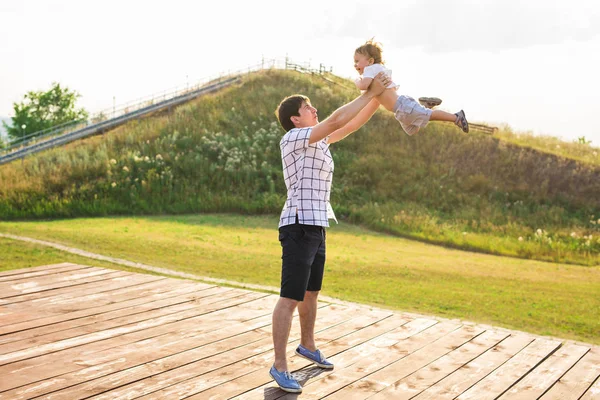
(363, 116)
(344, 114)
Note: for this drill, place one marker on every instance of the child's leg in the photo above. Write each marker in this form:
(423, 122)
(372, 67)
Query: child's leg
(439, 115)
(458, 118)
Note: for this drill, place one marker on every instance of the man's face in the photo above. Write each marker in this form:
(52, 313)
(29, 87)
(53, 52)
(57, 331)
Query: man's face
(308, 116)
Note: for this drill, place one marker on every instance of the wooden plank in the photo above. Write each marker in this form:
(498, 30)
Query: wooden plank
(81, 300)
(578, 379)
(110, 361)
(593, 393)
(14, 317)
(70, 309)
(104, 287)
(117, 327)
(466, 376)
(538, 381)
(356, 355)
(188, 336)
(419, 327)
(73, 309)
(65, 287)
(243, 374)
(173, 348)
(38, 284)
(27, 274)
(239, 377)
(57, 305)
(114, 281)
(178, 300)
(166, 371)
(26, 270)
(514, 369)
(395, 357)
(75, 358)
(74, 318)
(122, 281)
(408, 377)
(156, 375)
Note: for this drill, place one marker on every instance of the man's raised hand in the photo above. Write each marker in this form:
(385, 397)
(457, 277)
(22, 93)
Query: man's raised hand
(380, 82)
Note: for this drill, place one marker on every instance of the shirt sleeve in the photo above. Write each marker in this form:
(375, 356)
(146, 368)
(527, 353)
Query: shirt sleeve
(371, 70)
(295, 140)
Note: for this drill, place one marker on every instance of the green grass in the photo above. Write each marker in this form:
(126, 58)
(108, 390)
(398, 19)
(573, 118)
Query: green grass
(363, 266)
(17, 254)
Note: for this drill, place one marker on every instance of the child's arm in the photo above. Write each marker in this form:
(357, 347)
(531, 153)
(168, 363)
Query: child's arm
(363, 116)
(363, 83)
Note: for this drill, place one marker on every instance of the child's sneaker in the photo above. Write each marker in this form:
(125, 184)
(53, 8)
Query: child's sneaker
(285, 380)
(315, 356)
(430, 102)
(461, 121)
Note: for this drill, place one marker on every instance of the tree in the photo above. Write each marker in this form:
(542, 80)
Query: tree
(42, 110)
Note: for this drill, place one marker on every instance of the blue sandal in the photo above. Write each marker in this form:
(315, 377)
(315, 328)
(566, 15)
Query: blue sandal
(461, 121)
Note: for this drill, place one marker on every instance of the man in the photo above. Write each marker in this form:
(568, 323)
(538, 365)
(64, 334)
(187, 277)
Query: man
(308, 171)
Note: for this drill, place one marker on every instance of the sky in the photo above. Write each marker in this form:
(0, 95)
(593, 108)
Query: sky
(530, 64)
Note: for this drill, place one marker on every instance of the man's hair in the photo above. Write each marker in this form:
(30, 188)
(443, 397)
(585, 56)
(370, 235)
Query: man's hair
(371, 49)
(289, 107)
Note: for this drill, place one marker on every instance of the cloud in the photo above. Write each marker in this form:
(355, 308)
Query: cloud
(440, 26)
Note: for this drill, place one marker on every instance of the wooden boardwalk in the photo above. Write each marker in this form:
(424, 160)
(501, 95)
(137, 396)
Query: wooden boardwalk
(71, 331)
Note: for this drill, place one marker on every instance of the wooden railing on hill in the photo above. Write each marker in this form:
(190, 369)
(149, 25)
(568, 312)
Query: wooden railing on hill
(83, 129)
(323, 72)
(483, 128)
(109, 119)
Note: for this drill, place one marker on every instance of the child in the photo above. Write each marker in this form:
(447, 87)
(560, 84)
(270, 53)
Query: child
(411, 115)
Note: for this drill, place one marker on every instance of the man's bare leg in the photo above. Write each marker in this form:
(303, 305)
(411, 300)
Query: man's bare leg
(307, 310)
(282, 323)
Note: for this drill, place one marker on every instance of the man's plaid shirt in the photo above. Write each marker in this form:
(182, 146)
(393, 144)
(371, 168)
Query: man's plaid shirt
(308, 171)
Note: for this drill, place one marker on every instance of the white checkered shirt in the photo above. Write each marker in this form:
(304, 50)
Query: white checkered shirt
(307, 171)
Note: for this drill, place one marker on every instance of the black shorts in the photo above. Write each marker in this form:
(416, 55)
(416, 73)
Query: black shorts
(303, 259)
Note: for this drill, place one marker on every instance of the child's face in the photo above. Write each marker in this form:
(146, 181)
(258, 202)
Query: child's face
(361, 61)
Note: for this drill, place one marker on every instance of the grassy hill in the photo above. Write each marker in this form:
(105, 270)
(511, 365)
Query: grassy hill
(220, 153)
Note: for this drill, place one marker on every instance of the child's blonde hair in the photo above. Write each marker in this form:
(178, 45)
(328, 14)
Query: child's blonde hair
(372, 50)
